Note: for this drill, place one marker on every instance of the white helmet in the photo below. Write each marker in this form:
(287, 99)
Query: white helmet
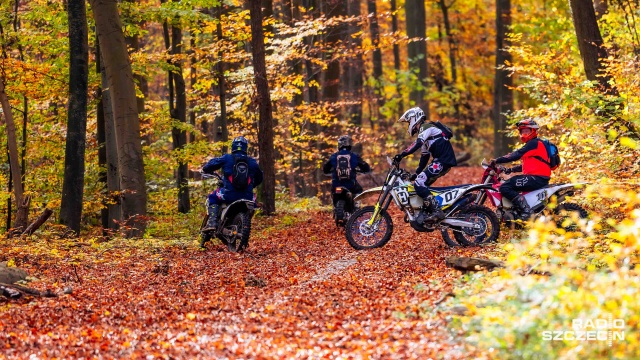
(415, 117)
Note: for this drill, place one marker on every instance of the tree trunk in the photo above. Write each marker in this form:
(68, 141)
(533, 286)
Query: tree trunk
(25, 100)
(125, 111)
(331, 83)
(133, 42)
(16, 173)
(263, 102)
(102, 146)
(73, 183)
(374, 29)
(9, 190)
(221, 131)
(35, 225)
(417, 50)
(267, 9)
(451, 41)
(354, 67)
(502, 93)
(111, 175)
(601, 7)
(591, 44)
(311, 95)
(178, 112)
(394, 28)
(291, 12)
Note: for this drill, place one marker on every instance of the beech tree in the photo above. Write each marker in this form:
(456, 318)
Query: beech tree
(502, 93)
(263, 104)
(125, 114)
(73, 183)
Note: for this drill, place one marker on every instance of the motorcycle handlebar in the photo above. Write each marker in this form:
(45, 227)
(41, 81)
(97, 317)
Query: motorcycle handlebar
(211, 176)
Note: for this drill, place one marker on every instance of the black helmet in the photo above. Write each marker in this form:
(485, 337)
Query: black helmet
(239, 144)
(344, 141)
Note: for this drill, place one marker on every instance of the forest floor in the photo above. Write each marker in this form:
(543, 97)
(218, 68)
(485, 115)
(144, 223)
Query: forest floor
(299, 291)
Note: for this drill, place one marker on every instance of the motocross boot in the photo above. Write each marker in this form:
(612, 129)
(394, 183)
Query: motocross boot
(431, 211)
(436, 212)
(523, 206)
(212, 222)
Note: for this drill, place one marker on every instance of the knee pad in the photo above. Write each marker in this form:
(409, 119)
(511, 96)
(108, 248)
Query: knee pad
(421, 180)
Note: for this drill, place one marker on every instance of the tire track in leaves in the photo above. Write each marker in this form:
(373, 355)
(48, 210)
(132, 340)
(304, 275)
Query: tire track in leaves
(299, 291)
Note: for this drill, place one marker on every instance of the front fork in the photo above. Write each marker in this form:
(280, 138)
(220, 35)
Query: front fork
(385, 200)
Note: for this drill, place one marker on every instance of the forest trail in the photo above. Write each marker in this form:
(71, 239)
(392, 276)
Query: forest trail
(299, 291)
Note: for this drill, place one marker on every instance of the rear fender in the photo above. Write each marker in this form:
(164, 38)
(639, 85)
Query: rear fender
(341, 193)
(462, 202)
(236, 207)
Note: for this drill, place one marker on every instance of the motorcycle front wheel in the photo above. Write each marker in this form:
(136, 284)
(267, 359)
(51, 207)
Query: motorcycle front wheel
(361, 235)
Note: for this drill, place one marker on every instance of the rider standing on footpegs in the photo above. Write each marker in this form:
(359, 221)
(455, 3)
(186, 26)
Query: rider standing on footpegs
(433, 142)
(343, 166)
(241, 175)
(535, 167)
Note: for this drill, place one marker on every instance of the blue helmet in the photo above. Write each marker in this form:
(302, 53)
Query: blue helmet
(239, 144)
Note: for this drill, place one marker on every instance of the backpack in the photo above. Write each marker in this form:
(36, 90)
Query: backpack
(240, 177)
(552, 152)
(446, 131)
(343, 167)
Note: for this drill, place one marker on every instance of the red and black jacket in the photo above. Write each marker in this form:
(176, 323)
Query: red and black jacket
(535, 160)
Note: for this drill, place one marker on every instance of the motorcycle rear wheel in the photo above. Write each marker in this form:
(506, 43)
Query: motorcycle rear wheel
(241, 225)
(566, 214)
(487, 231)
(205, 236)
(338, 213)
(361, 235)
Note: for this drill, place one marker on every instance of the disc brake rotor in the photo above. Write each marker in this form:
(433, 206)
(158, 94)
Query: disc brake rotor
(367, 230)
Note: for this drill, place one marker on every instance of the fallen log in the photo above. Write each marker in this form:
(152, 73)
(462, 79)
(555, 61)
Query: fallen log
(30, 291)
(466, 264)
(10, 293)
(38, 222)
(9, 275)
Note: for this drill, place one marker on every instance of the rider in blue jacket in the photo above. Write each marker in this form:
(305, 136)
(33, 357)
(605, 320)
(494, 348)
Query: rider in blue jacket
(343, 166)
(241, 175)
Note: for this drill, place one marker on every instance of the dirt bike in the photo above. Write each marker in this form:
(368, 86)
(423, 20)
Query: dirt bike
(372, 227)
(234, 225)
(538, 200)
(343, 204)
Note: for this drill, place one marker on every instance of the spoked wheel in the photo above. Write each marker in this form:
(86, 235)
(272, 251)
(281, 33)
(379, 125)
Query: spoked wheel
(237, 233)
(485, 226)
(566, 216)
(362, 235)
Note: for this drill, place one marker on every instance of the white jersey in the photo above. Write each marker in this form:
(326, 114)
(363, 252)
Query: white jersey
(428, 137)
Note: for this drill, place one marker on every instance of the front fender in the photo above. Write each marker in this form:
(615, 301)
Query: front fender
(367, 193)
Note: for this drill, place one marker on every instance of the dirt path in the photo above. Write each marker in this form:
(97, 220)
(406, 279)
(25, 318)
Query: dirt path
(299, 291)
